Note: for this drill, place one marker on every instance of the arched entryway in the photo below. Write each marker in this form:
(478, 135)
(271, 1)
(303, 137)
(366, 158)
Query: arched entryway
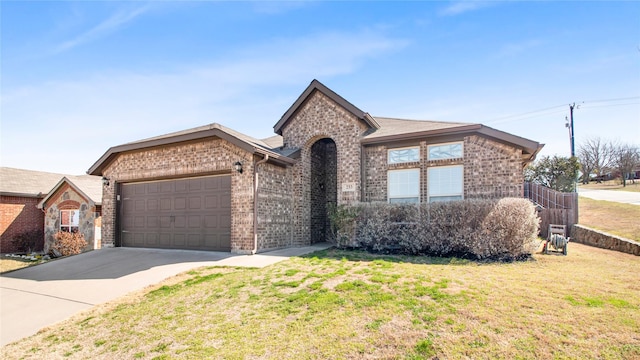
(324, 194)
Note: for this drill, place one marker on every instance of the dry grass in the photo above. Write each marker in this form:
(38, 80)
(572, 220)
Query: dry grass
(9, 264)
(339, 304)
(613, 185)
(612, 217)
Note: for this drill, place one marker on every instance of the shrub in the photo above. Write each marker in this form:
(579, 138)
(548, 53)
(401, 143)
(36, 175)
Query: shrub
(28, 241)
(342, 219)
(68, 243)
(503, 229)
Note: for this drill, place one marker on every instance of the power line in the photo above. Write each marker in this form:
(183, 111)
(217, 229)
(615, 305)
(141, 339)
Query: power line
(560, 109)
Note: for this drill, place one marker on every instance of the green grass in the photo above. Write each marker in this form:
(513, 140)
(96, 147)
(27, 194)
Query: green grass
(350, 305)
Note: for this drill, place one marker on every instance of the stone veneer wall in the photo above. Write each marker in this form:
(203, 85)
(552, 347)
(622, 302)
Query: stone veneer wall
(68, 199)
(209, 156)
(19, 215)
(274, 207)
(490, 169)
(318, 118)
(587, 236)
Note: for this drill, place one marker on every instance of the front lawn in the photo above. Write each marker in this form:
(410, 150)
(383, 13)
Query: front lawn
(613, 217)
(345, 305)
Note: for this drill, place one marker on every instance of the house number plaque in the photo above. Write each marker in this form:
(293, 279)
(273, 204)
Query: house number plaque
(349, 187)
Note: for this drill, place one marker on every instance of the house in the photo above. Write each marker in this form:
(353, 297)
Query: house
(212, 188)
(74, 205)
(22, 194)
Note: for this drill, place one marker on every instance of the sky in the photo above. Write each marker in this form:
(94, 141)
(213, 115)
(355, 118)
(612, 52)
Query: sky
(77, 78)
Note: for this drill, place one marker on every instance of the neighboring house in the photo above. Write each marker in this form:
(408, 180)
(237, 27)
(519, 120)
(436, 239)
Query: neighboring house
(213, 188)
(74, 205)
(20, 192)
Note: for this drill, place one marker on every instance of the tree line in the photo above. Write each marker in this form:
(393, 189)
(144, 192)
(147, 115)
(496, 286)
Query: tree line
(597, 160)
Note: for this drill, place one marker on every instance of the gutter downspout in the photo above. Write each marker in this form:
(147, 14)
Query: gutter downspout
(255, 203)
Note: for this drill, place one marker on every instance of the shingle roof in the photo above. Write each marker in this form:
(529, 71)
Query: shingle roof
(214, 130)
(28, 183)
(87, 185)
(390, 127)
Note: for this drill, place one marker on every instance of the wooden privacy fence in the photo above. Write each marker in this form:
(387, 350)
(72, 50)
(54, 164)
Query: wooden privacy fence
(555, 207)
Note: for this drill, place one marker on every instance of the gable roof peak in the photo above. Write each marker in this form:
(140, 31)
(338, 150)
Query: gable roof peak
(314, 86)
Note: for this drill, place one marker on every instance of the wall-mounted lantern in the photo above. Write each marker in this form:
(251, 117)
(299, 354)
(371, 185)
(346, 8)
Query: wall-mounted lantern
(238, 166)
(105, 181)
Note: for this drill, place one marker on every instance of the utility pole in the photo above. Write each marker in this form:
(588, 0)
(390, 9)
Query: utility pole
(569, 124)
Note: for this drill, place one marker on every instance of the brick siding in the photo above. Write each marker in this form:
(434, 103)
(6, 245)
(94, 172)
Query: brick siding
(491, 169)
(210, 156)
(18, 215)
(274, 207)
(320, 118)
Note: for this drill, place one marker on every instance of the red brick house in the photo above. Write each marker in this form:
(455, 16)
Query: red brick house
(213, 188)
(20, 192)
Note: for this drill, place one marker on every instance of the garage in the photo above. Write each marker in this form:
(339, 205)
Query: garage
(190, 213)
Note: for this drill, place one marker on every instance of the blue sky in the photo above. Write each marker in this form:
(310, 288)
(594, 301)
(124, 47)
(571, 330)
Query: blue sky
(80, 77)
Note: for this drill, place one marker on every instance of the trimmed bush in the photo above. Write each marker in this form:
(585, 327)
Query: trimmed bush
(29, 241)
(68, 243)
(500, 229)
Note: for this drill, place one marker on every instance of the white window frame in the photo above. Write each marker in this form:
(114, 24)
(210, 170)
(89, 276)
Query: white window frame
(429, 147)
(398, 198)
(389, 151)
(458, 194)
(74, 221)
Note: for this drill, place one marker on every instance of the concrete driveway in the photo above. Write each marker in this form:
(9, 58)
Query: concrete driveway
(627, 197)
(43, 295)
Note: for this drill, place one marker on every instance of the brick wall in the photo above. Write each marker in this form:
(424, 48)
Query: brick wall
(319, 118)
(274, 207)
(182, 160)
(17, 216)
(490, 169)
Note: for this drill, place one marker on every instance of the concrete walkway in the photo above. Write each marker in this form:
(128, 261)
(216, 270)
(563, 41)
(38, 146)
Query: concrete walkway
(627, 197)
(40, 296)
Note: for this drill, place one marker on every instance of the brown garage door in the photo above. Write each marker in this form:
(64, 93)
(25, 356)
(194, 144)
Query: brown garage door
(193, 213)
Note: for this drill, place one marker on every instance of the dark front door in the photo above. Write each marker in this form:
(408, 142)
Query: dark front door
(191, 213)
(323, 188)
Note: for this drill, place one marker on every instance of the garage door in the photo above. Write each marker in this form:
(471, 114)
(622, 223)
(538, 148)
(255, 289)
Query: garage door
(193, 213)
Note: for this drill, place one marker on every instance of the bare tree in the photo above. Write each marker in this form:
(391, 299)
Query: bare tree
(595, 156)
(626, 159)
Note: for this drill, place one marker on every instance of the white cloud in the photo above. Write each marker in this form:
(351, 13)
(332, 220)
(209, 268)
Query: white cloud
(74, 122)
(110, 25)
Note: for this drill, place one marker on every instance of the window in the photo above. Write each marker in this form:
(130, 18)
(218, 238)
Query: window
(445, 183)
(69, 220)
(445, 151)
(404, 155)
(403, 185)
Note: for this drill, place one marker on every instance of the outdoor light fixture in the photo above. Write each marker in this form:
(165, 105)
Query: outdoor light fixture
(105, 181)
(238, 166)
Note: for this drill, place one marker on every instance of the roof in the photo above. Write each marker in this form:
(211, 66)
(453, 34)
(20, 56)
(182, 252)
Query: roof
(403, 129)
(89, 187)
(314, 86)
(26, 183)
(215, 130)
(391, 128)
